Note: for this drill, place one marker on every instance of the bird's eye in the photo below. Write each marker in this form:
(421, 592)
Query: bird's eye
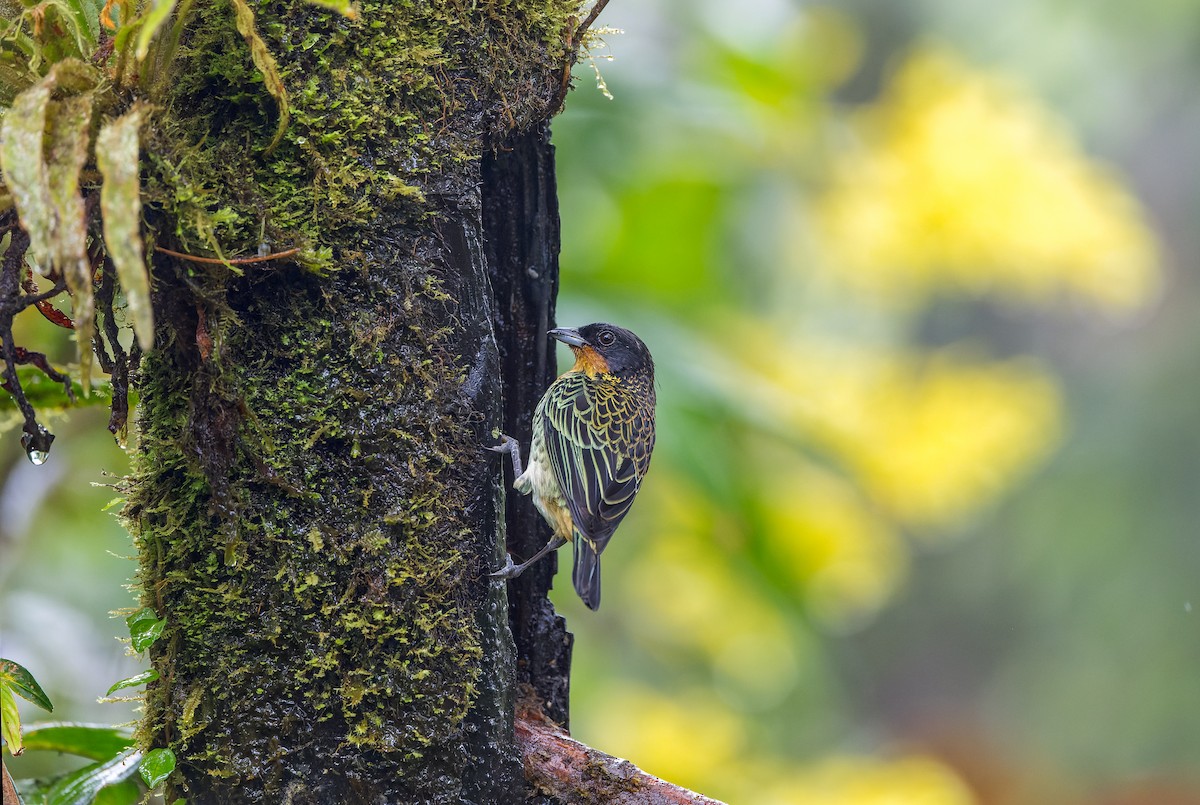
(606, 338)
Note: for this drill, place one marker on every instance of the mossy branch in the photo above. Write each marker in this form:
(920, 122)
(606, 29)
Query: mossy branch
(561, 767)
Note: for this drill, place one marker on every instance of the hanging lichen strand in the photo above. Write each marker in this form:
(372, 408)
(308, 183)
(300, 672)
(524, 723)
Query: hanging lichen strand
(313, 513)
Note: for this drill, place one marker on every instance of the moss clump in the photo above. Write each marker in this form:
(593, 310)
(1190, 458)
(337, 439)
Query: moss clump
(383, 109)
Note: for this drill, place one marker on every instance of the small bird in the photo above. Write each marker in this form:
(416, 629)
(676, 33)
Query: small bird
(593, 432)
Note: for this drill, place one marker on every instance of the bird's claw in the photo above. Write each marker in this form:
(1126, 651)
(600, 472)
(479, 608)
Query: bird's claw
(508, 445)
(507, 572)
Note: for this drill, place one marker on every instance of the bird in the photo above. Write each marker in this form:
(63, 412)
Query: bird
(593, 434)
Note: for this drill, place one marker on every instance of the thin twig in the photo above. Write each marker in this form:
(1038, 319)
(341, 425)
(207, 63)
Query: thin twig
(582, 30)
(574, 42)
(235, 261)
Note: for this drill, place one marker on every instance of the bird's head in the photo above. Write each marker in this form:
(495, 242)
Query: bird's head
(603, 348)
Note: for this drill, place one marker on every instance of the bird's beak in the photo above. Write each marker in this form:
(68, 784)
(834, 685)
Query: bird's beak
(569, 336)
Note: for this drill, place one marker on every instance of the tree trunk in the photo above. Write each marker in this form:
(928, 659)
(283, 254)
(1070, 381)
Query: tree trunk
(313, 509)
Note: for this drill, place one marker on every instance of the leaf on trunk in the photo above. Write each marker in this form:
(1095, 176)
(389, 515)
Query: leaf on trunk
(133, 681)
(121, 208)
(144, 628)
(92, 741)
(265, 63)
(157, 766)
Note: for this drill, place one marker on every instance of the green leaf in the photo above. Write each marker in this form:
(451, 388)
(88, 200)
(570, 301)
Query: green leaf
(144, 628)
(16, 678)
(152, 20)
(93, 741)
(127, 792)
(81, 787)
(44, 147)
(78, 27)
(22, 136)
(121, 207)
(265, 63)
(67, 136)
(46, 394)
(344, 7)
(135, 680)
(157, 766)
(10, 721)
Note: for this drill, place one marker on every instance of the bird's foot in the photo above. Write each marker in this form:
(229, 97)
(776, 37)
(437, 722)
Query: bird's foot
(510, 570)
(512, 447)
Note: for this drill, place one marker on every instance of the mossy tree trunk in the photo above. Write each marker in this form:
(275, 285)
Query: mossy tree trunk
(314, 514)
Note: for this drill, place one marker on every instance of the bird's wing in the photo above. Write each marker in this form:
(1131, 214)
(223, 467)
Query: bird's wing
(599, 446)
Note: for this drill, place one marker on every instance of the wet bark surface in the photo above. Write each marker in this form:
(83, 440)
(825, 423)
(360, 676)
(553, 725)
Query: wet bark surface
(521, 221)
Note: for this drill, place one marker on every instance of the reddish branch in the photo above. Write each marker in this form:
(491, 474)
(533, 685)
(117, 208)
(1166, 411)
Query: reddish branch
(233, 261)
(561, 767)
(44, 305)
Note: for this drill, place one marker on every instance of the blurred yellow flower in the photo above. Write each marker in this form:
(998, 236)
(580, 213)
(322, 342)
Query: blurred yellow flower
(694, 740)
(943, 437)
(845, 559)
(686, 737)
(862, 781)
(681, 579)
(964, 181)
(930, 438)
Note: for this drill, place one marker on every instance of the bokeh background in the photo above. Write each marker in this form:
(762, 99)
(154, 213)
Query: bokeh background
(921, 280)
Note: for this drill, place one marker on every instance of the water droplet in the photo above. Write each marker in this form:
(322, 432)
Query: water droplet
(37, 444)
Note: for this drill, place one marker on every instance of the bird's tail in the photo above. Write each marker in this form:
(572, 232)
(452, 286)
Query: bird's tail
(586, 574)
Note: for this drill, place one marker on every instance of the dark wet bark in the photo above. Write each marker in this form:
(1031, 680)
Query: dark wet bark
(520, 215)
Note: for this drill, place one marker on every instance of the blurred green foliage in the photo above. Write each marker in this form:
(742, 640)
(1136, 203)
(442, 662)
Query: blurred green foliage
(892, 292)
(921, 525)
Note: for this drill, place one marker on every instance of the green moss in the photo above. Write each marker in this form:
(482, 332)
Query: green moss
(380, 107)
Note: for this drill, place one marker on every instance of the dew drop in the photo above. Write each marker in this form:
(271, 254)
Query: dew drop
(37, 445)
